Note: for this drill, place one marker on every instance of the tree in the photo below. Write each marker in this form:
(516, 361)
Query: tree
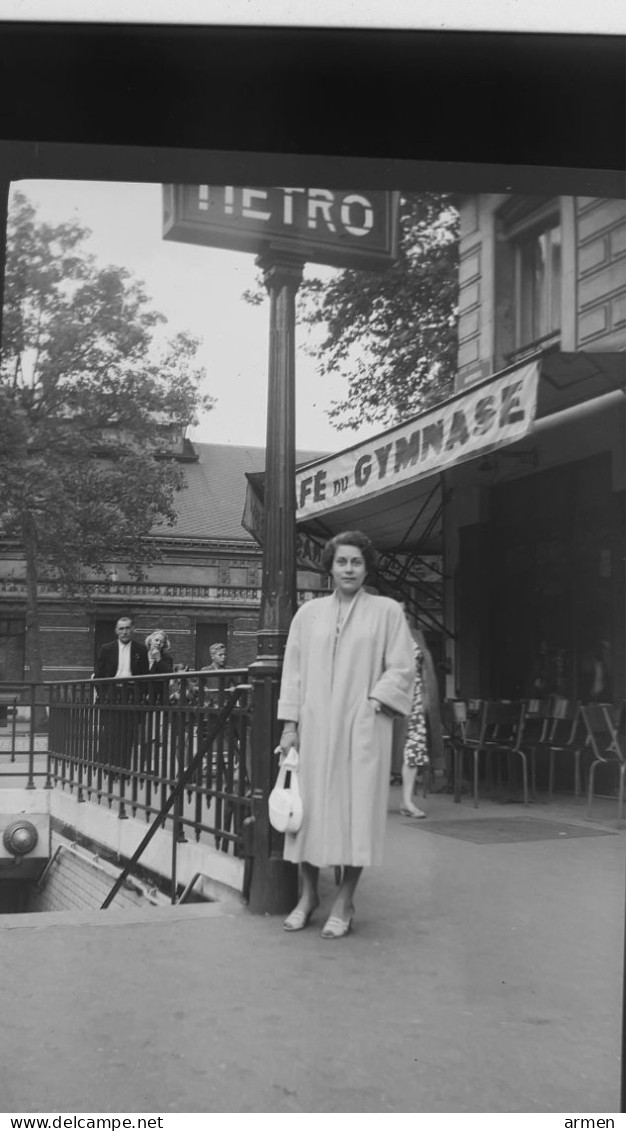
(390, 334)
(87, 397)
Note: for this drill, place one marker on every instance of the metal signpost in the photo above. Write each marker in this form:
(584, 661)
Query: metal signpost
(284, 228)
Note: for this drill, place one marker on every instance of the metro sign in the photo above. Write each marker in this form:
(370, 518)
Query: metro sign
(339, 227)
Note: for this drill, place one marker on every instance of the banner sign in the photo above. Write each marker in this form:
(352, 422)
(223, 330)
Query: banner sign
(309, 552)
(339, 227)
(488, 417)
(253, 517)
(308, 548)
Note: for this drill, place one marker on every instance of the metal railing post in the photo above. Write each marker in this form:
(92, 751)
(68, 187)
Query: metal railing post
(14, 728)
(178, 837)
(31, 752)
(175, 828)
(273, 882)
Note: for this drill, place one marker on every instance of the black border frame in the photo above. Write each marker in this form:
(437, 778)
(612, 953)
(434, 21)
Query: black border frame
(496, 98)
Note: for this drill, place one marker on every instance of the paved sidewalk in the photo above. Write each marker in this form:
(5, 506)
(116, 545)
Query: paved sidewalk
(484, 975)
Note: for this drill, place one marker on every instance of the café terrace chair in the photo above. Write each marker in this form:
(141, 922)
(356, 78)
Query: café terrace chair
(494, 730)
(554, 727)
(535, 724)
(605, 730)
(454, 719)
(566, 737)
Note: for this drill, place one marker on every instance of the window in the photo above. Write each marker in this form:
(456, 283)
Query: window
(529, 279)
(538, 286)
(528, 289)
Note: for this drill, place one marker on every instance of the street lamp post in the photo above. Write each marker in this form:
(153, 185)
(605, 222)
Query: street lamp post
(273, 884)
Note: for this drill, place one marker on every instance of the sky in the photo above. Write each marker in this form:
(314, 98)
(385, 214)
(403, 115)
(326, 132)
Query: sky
(199, 289)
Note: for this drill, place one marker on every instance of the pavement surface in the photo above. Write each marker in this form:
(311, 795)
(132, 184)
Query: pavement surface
(484, 974)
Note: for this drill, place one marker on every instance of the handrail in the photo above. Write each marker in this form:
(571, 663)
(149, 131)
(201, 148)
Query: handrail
(187, 673)
(233, 694)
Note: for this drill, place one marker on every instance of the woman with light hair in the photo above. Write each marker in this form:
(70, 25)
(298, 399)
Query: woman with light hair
(160, 662)
(159, 652)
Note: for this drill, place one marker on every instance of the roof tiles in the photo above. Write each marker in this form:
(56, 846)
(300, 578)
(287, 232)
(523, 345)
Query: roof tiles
(211, 505)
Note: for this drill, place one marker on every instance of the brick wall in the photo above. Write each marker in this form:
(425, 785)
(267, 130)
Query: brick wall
(69, 649)
(68, 635)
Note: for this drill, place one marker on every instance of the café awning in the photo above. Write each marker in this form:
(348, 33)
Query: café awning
(390, 486)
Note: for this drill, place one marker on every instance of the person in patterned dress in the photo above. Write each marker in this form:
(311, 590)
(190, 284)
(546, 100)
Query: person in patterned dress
(418, 739)
(415, 754)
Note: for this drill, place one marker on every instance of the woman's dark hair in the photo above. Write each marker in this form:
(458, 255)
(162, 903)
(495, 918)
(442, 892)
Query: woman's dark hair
(349, 538)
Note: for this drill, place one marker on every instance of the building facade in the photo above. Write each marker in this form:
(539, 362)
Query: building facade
(205, 589)
(537, 544)
(538, 273)
(516, 482)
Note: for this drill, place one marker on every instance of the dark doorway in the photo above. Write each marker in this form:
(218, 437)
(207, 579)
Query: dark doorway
(554, 551)
(207, 634)
(104, 634)
(12, 635)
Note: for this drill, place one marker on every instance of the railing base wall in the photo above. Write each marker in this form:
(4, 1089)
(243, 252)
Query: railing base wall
(96, 825)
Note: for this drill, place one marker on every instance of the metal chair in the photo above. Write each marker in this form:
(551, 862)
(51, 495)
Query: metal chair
(565, 736)
(604, 726)
(454, 721)
(535, 724)
(553, 727)
(495, 729)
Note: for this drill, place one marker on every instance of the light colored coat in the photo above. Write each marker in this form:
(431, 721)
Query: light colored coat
(345, 745)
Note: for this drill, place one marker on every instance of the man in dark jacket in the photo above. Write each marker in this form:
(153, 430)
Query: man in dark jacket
(119, 660)
(124, 656)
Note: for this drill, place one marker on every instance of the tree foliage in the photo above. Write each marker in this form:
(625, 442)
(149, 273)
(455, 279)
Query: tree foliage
(87, 405)
(391, 335)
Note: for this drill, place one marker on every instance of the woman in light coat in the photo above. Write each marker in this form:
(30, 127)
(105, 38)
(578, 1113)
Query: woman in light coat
(348, 670)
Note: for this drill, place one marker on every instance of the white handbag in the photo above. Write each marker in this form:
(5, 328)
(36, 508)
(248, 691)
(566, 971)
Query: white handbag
(285, 802)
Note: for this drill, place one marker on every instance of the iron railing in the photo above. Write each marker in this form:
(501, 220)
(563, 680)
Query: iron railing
(23, 732)
(128, 744)
(173, 803)
(173, 749)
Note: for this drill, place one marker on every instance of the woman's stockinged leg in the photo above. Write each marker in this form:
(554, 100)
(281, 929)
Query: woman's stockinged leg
(309, 899)
(309, 875)
(343, 907)
(409, 774)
